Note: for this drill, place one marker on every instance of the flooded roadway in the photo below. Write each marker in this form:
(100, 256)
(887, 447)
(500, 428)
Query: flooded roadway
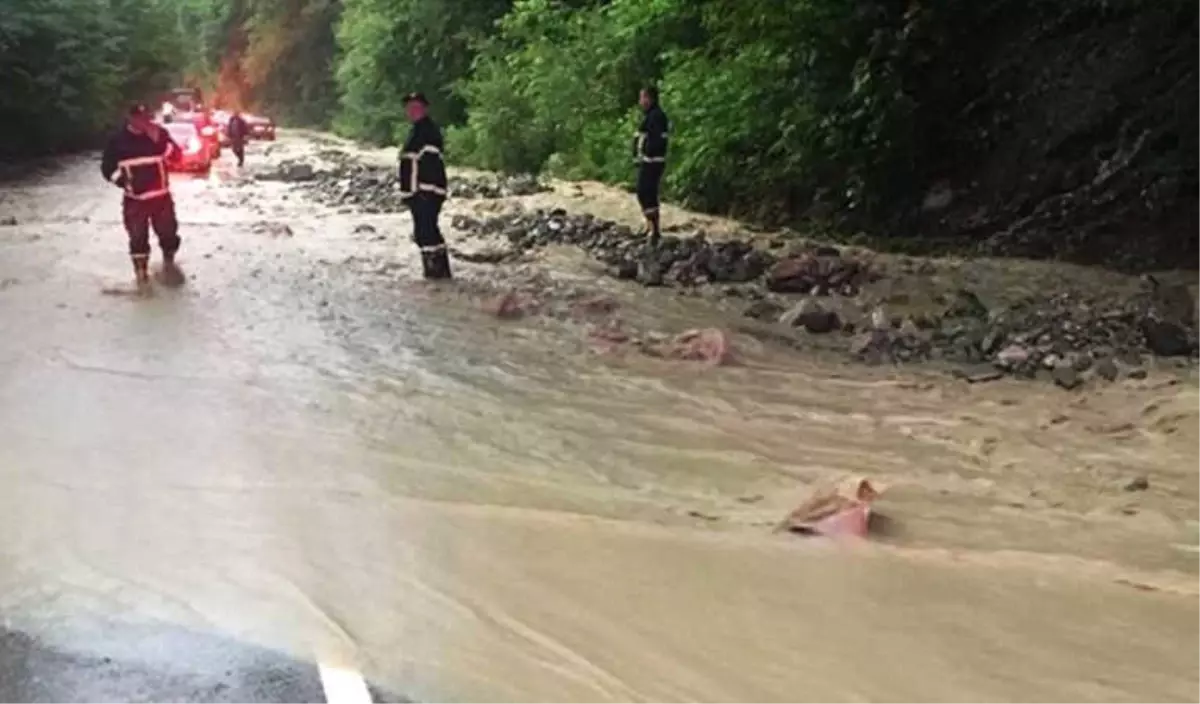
(306, 450)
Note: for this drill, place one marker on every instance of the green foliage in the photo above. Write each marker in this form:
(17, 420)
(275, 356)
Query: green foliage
(392, 47)
(557, 83)
(68, 66)
(770, 98)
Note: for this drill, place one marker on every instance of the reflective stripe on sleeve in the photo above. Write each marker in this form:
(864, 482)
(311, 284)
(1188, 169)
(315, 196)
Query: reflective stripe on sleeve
(139, 161)
(149, 194)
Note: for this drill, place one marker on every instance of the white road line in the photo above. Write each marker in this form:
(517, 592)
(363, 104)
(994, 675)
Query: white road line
(343, 686)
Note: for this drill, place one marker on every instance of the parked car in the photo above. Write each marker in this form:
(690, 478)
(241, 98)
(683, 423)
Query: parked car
(260, 127)
(206, 126)
(185, 99)
(221, 120)
(197, 156)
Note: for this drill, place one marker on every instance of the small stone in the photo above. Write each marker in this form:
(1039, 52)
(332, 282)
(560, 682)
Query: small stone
(8, 221)
(649, 273)
(763, 310)
(978, 374)
(812, 317)
(880, 319)
(1139, 483)
(625, 270)
(1012, 357)
(871, 345)
(296, 172)
(363, 228)
(1066, 377)
(1137, 373)
(966, 304)
(1166, 339)
(1107, 369)
(909, 328)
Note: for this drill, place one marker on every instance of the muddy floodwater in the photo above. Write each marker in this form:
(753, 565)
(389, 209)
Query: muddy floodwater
(307, 449)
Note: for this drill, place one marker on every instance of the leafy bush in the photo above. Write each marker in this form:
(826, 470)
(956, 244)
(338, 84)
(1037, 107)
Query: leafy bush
(391, 47)
(67, 67)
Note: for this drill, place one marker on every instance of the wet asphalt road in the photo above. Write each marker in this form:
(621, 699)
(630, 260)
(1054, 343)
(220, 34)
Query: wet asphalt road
(112, 663)
(110, 653)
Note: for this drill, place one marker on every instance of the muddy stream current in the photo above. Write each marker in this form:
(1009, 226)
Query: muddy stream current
(308, 449)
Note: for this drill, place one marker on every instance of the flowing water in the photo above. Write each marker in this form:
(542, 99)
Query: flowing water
(307, 449)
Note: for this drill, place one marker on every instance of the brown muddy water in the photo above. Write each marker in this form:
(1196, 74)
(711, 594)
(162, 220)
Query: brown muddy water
(307, 449)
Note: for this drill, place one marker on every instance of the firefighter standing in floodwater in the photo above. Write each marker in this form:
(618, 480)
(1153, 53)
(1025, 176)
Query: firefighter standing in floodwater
(237, 130)
(423, 185)
(650, 151)
(136, 160)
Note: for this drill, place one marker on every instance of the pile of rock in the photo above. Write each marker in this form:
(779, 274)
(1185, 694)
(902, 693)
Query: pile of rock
(675, 261)
(289, 171)
(492, 187)
(350, 184)
(1063, 337)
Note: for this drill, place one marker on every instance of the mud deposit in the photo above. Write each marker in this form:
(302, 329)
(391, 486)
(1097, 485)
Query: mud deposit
(522, 487)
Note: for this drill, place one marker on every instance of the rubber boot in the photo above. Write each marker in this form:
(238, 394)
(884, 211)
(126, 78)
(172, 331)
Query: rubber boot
(171, 274)
(141, 273)
(436, 264)
(647, 226)
(655, 233)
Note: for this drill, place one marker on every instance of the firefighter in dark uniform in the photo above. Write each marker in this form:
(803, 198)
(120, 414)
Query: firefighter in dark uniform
(136, 160)
(237, 130)
(423, 185)
(650, 151)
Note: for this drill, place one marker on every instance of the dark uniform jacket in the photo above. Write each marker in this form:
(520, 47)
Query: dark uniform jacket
(138, 163)
(650, 145)
(421, 167)
(237, 129)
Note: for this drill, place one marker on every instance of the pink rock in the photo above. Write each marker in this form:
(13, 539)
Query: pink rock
(509, 306)
(837, 511)
(609, 338)
(709, 345)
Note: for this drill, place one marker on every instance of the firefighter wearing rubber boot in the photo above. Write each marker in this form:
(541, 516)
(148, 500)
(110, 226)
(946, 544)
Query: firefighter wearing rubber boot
(136, 161)
(650, 152)
(423, 185)
(237, 130)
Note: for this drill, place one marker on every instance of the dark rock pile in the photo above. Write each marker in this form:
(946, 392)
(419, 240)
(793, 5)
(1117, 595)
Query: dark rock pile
(373, 190)
(1063, 337)
(289, 171)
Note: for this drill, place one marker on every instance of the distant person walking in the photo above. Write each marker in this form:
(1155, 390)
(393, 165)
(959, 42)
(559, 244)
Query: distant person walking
(237, 129)
(136, 161)
(650, 152)
(423, 185)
